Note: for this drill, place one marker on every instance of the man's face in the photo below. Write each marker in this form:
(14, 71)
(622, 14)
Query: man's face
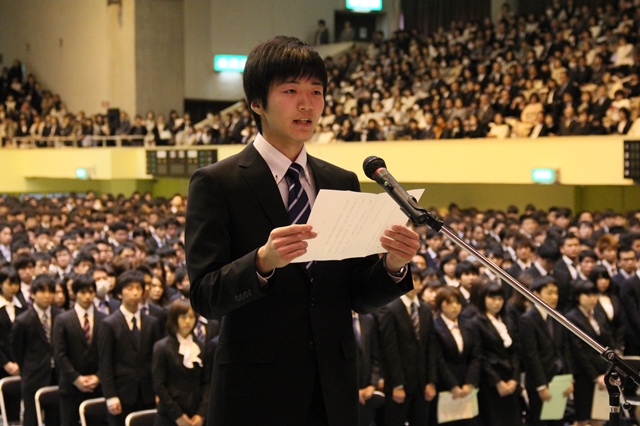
(5, 236)
(26, 274)
(43, 299)
(131, 296)
(293, 110)
(64, 258)
(570, 248)
(549, 295)
(85, 298)
(628, 261)
(121, 236)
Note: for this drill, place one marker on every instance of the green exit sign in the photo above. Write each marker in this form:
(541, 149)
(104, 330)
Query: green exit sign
(82, 173)
(542, 175)
(229, 63)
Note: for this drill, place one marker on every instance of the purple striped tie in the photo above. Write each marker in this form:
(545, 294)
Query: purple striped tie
(299, 207)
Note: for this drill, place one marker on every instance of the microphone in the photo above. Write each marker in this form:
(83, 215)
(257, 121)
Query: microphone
(376, 169)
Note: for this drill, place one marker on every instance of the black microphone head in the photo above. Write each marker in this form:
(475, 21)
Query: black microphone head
(371, 164)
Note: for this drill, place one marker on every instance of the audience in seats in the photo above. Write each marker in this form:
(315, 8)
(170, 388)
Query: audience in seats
(576, 65)
(126, 256)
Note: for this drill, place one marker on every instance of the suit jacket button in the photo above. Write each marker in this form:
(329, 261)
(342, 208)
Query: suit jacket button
(312, 346)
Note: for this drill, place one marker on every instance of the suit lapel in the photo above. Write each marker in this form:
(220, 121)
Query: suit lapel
(257, 176)
(77, 327)
(126, 330)
(38, 324)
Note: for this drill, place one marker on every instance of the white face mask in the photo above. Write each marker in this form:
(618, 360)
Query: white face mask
(102, 288)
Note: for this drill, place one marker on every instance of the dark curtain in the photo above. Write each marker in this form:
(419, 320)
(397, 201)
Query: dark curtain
(426, 16)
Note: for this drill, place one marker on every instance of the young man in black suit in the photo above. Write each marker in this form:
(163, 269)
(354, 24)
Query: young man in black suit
(286, 350)
(125, 347)
(369, 360)
(408, 347)
(31, 344)
(546, 350)
(75, 347)
(10, 309)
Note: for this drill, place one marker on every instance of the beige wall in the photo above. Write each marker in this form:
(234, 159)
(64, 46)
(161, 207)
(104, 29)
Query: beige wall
(64, 43)
(121, 82)
(483, 173)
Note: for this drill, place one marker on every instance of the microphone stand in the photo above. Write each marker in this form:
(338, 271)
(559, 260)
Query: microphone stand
(618, 369)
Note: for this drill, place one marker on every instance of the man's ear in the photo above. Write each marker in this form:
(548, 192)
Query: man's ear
(256, 106)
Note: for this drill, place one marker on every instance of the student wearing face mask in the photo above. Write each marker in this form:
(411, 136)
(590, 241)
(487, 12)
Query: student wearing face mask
(103, 301)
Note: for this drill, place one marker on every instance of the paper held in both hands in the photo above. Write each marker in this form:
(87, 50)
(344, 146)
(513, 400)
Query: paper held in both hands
(349, 224)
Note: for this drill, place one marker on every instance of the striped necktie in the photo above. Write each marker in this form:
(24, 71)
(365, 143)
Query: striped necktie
(415, 319)
(299, 207)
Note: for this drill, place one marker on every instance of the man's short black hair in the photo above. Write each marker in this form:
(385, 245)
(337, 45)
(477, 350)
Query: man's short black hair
(83, 282)
(127, 278)
(278, 60)
(23, 261)
(43, 282)
(541, 282)
(549, 250)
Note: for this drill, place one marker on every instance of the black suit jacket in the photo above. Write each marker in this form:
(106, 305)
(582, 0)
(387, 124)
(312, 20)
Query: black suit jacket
(368, 353)
(588, 362)
(5, 335)
(73, 354)
(630, 298)
(31, 350)
(125, 371)
(171, 379)
(617, 324)
(498, 362)
(563, 280)
(540, 351)
(274, 337)
(407, 361)
(455, 368)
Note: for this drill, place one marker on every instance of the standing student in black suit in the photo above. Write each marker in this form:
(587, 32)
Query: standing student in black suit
(409, 354)
(75, 347)
(499, 393)
(125, 347)
(589, 366)
(369, 361)
(32, 349)
(609, 305)
(286, 336)
(179, 363)
(546, 349)
(10, 308)
(565, 270)
(459, 358)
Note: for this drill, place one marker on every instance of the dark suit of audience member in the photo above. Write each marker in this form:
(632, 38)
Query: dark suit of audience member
(34, 354)
(617, 322)
(108, 306)
(563, 280)
(75, 357)
(544, 356)
(180, 389)
(125, 367)
(407, 361)
(499, 363)
(369, 362)
(158, 313)
(588, 363)
(6, 323)
(630, 298)
(455, 367)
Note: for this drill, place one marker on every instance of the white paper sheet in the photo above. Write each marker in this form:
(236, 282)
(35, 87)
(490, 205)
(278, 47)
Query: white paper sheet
(600, 409)
(349, 224)
(450, 409)
(554, 409)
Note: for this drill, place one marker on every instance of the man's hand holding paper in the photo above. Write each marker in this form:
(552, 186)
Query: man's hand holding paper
(356, 224)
